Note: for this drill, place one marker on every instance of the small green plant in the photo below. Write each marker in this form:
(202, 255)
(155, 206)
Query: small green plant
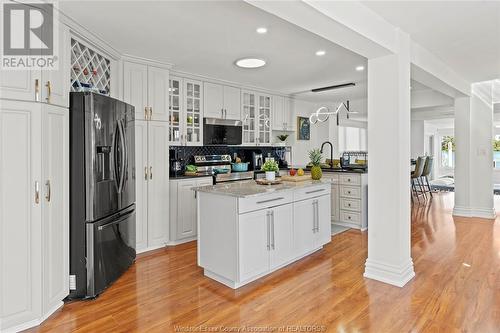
(282, 137)
(315, 157)
(270, 165)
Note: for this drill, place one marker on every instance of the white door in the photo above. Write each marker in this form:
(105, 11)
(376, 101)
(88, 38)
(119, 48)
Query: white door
(55, 84)
(264, 120)
(158, 200)
(278, 107)
(55, 208)
(213, 100)
(281, 235)
(249, 116)
(186, 209)
(323, 233)
(254, 242)
(141, 184)
(193, 113)
(303, 225)
(20, 212)
(232, 103)
(158, 93)
(175, 111)
(335, 203)
(135, 88)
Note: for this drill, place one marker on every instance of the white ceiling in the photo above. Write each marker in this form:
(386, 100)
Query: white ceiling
(206, 37)
(464, 34)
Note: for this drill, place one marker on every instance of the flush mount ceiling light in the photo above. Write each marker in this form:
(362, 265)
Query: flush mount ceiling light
(320, 53)
(261, 30)
(250, 63)
(360, 68)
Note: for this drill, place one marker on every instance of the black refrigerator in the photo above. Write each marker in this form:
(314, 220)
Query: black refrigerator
(102, 192)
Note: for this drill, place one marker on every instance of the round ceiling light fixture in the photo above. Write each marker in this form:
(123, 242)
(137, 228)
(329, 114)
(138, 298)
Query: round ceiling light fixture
(250, 63)
(360, 68)
(320, 53)
(261, 30)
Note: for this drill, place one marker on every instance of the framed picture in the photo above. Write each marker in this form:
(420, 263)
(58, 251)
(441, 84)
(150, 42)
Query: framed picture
(303, 128)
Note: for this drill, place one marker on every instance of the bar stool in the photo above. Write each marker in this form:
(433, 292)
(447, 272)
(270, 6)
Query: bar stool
(415, 175)
(429, 161)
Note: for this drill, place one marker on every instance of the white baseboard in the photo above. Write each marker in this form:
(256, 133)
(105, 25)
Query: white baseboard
(396, 275)
(182, 241)
(35, 322)
(151, 248)
(484, 213)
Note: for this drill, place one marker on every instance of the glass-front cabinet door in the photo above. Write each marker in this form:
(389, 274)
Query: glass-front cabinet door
(175, 109)
(249, 117)
(193, 115)
(264, 120)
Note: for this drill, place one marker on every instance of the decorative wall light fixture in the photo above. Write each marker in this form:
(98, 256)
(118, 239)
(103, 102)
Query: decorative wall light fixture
(323, 113)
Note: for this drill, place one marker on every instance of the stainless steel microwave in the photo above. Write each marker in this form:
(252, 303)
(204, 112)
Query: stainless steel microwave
(222, 131)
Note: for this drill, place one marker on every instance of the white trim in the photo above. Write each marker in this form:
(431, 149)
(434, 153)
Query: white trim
(147, 249)
(35, 322)
(396, 275)
(182, 241)
(484, 213)
(145, 61)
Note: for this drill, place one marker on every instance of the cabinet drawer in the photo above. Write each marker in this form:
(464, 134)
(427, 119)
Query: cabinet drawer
(313, 191)
(263, 201)
(350, 192)
(350, 217)
(334, 178)
(350, 179)
(350, 204)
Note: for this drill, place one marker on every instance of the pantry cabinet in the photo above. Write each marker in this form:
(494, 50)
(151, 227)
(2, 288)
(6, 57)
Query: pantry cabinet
(183, 208)
(256, 118)
(221, 101)
(283, 114)
(34, 224)
(185, 112)
(151, 162)
(146, 88)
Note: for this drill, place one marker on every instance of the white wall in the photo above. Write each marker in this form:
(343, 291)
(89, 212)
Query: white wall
(417, 139)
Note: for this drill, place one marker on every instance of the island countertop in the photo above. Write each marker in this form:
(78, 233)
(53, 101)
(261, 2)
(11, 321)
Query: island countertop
(249, 188)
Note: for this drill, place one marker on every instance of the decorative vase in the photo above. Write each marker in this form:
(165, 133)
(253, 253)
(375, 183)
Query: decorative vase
(316, 172)
(270, 175)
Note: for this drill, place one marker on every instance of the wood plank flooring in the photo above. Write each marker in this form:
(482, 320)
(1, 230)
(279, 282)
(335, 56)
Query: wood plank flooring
(456, 288)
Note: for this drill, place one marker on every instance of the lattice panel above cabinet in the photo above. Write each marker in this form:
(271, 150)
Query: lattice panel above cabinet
(90, 70)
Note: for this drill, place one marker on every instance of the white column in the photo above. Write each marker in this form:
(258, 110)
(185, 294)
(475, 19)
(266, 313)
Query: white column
(389, 258)
(474, 153)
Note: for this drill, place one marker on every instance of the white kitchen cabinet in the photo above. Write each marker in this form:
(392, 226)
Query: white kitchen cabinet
(289, 114)
(146, 88)
(183, 208)
(254, 244)
(283, 114)
(34, 224)
(221, 101)
(256, 117)
(152, 223)
(281, 220)
(37, 85)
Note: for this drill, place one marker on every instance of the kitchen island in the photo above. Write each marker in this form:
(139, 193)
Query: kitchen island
(246, 231)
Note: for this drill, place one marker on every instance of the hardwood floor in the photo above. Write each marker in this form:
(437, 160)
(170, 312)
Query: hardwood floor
(456, 288)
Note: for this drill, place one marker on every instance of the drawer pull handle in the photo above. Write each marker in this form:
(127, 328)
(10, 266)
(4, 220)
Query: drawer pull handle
(270, 200)
(349, 217)
(349, 205)
(348, 179)
(315, 191)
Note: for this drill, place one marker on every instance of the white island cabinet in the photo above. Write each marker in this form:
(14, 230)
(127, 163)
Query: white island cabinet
(247, 231)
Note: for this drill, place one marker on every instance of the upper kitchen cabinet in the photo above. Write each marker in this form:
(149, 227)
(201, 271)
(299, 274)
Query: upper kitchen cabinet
(256, 118)
(222, 101)
(185, 112)
(146, 88)
(47, 85)
(283, 114)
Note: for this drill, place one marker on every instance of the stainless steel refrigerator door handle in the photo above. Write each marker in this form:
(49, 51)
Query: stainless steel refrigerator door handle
(123, 155)
(47, 196)
(272, 231)
(37, 192)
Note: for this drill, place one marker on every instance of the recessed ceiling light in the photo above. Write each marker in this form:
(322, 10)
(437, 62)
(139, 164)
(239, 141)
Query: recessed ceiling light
(360, 68)
(320, 53)
(250, 63)
(261, 30)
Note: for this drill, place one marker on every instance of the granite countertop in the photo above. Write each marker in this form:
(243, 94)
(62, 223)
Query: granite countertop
(326, 170)
(249, 188)
(199, 175)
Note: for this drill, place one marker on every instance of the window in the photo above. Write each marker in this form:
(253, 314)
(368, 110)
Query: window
(352, 139)
(447, 152)
(496, 152)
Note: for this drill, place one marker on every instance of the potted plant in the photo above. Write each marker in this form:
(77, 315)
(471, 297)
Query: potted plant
(315, 157)
(270, 167)
(282, 137)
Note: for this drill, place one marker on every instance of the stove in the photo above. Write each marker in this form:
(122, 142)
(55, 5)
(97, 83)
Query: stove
(220, 167)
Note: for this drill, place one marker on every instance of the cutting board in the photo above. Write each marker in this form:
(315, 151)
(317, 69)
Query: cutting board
(295, 178)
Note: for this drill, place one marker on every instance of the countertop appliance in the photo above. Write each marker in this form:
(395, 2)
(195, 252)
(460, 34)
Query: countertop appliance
(220, 167)
(258, 160)
(176, 164)
(102, 192)
(222, 131)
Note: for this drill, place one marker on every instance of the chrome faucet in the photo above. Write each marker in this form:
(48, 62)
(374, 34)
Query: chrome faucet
(331, 151)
